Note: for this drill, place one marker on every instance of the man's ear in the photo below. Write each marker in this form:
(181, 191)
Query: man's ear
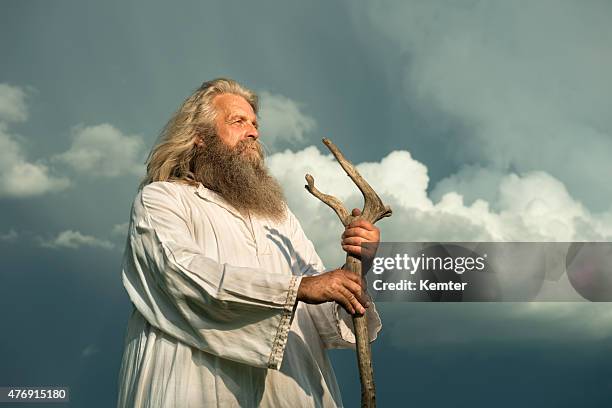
(198, 141)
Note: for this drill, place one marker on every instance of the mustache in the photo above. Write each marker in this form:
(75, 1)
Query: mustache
(241, 179)
(247, 144)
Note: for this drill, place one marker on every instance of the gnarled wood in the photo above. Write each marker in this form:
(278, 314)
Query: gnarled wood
(332, 201)
(373, 210)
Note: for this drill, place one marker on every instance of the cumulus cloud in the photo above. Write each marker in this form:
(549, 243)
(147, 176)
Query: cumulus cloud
(9, 236)
(532, 206)
(100, 150)
(282, 120)
(20, 177)
(75, 239)
(12, 104)
(103, 150)
(529, 82)
(473, 181)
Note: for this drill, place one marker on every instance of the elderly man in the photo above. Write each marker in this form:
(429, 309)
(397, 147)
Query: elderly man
(232, 305)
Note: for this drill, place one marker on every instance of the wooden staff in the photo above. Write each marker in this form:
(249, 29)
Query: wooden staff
(373, 210)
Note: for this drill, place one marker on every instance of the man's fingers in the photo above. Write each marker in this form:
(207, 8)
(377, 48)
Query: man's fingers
(344, 300)
(352, 299)
(356, 290)
(363, 224)
(352, 249)
(359, 232)
(356, 212)
(351, 276)
(354, 285)
(353, 241)
(342, 286)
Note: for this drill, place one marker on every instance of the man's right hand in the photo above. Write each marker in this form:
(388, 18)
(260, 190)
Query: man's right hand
(339, 286)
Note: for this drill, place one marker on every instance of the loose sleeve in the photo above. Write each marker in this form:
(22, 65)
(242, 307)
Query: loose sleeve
(334, 324)
(238, 313)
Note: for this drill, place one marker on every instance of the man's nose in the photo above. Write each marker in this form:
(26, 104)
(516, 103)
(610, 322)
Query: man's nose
(252, 132)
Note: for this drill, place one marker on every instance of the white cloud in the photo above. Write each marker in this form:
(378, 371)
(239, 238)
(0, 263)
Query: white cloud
(103, 150)
(100, 150)
(12, 104)
(530, 82)
(529, 207)
(75, 239)
(282, 120)
(21, 177)
(120, 229)
(533, 206)
(473, 182)
(9, 236)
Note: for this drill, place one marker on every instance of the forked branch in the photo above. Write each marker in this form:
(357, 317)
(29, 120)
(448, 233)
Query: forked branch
(332, 201)
(373, 210)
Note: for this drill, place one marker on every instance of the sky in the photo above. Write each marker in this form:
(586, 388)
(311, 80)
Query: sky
(475, 121)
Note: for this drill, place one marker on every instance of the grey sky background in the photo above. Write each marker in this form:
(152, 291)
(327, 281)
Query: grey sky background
(474, 120)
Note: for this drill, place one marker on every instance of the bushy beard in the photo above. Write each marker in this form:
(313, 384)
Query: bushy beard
(239, 175)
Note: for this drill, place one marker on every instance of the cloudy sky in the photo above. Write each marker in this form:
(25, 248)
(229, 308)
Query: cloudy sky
(474, 120)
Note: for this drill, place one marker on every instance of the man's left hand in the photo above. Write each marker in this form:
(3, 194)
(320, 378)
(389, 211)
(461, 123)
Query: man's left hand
(357, 232)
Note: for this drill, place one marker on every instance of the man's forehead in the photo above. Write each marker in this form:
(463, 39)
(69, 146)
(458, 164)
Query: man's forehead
(232, 104)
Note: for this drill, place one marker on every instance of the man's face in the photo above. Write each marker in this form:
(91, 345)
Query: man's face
(230, 161)
(236, 123)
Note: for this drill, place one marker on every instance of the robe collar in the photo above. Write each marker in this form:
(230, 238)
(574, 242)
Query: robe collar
(213, 197)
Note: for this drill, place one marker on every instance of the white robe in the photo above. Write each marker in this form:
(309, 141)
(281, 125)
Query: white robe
(215, 321)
